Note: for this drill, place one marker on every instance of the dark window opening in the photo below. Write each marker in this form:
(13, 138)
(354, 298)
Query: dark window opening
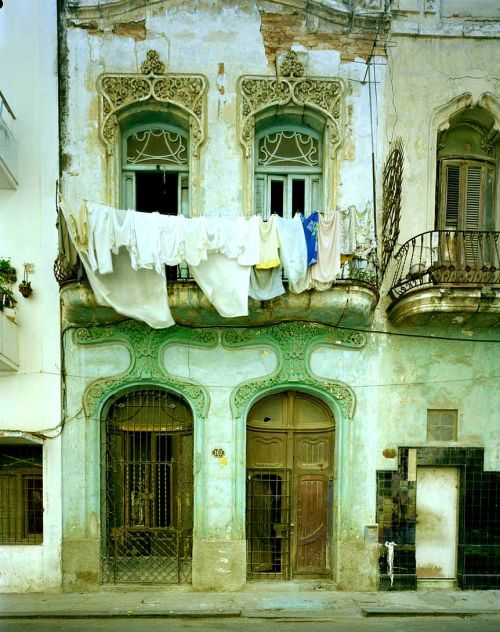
(277, 197)
(21, 494)
(298, 196)
(156, 191)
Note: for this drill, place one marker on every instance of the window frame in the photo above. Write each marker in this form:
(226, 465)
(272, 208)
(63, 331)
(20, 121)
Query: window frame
(20, 506)
(128, 196)
(264, 175)
(464, 164)
(433, 413)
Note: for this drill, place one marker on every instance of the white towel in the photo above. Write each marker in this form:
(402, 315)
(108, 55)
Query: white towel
(293, 252)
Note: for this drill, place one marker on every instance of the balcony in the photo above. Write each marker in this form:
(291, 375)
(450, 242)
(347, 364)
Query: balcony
(350, 302)
(9, 344)
(447, 278)
(8, 173)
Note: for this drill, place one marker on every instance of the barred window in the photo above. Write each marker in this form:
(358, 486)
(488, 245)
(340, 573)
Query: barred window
(21, 494)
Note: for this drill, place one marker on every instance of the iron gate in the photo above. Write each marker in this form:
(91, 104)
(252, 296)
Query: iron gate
(148, 512)
(268, 523)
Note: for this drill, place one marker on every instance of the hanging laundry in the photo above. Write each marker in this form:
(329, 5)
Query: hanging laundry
(195, 240)
(269, 244)
(139, 294)
(348, 232)
(225, 283)
(171, 240)
(293, 252)
(310, 226)
(101, 237)
(365, 232)
(324, 273)
(248, 232)
(144, 253)
(266, 284)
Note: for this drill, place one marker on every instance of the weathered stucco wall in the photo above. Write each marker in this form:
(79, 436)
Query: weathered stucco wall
(196, 39)
(426, 75)
(394, 379)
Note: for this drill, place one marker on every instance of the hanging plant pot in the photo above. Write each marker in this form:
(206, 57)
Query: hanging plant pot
(25, 288)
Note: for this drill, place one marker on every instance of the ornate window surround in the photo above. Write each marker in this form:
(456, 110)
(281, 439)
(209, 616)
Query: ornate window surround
(439, 122)
(291, 90)
(165, 93)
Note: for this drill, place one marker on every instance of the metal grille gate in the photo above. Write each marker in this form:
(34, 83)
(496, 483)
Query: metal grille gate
(268, 523)
(148, 512)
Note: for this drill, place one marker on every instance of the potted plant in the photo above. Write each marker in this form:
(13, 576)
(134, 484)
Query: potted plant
(8, 277)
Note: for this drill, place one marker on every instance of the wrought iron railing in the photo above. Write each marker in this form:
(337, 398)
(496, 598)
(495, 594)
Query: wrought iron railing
(352, 271)
(459, 257)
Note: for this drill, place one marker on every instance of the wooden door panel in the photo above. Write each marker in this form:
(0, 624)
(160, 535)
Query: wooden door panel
(266, 450)
(311, 528)
(313, 451)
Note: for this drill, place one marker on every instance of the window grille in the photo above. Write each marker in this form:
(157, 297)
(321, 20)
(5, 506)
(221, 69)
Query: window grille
(21, 495)
(268, 523)
(148, 512)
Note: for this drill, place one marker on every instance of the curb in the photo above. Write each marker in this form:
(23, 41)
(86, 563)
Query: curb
(424, 612)
(124, 614)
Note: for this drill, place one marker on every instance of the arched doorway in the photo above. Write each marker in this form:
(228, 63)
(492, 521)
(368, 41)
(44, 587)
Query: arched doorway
(148, 488)
(290, 448)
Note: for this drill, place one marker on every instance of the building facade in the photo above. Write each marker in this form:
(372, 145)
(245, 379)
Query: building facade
(300, 440)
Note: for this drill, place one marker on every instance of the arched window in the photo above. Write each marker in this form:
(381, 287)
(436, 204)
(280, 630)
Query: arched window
(467, 164)
(288, 164)
(155, 165)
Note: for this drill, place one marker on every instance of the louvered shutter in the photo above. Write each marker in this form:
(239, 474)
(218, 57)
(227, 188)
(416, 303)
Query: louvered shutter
(260, 195)
(452, 193)
(472, 216)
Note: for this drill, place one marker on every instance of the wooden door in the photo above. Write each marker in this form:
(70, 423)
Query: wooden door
(290, 437)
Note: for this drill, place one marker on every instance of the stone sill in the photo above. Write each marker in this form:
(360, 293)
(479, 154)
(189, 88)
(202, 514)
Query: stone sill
(347, 303)
(447, 306)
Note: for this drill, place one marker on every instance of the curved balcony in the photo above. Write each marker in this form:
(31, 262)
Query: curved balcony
(349, 302)
(447, 277)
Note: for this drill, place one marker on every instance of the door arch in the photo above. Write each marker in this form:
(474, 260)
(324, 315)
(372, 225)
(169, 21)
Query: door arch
(148, 488)
(290, 448)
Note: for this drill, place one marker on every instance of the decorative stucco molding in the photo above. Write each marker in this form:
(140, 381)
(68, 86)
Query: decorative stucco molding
(146, 346)
(290, 87)
(293, 343)
(152, 88)
(119, 91)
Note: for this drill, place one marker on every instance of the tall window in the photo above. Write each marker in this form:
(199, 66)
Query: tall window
(21, 494)
(155, 166)
(288, 171)
(467, 162)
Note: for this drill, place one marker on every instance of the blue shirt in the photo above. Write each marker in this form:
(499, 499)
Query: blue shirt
(310, 226)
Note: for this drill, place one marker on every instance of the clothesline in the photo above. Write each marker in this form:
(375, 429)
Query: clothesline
(125, 252)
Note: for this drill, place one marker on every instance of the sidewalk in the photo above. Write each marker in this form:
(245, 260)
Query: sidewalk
(295, 600)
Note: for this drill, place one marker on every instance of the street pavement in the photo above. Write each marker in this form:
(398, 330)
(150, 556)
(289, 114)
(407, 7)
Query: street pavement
(477, 623)
(291, 601)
